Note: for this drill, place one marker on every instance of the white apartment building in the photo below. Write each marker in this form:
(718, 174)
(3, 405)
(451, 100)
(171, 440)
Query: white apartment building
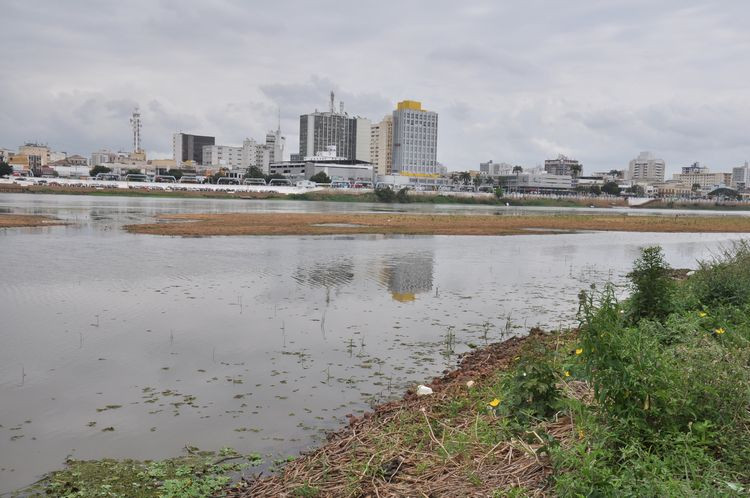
(222, 156)
(491, 168)
(381, 145)
(741, 176)
(646, 168)
(250, 154)
(415, 132)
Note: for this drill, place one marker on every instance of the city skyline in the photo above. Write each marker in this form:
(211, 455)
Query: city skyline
(596, 83)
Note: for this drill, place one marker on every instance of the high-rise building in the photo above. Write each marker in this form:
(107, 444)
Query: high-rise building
(350, 135)
(186, 147)
(381, 146)
(415, 133)
(741, 176)
(646, 168)
(562, 166)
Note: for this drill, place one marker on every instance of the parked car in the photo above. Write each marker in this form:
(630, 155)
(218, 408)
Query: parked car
(362, 184)
(341, 185)
(305, 184)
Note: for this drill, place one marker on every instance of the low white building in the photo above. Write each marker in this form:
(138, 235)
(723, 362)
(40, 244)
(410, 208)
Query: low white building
(223, 156)
(537, 182)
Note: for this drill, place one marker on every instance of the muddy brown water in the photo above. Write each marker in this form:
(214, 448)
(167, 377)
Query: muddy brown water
(258, 343)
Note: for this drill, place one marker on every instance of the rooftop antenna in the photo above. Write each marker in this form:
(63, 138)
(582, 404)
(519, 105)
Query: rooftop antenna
(333, 109)
(341, 107)
(135, 122)
(278, 126)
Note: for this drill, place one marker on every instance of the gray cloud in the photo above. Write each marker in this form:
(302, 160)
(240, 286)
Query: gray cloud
(513, 81)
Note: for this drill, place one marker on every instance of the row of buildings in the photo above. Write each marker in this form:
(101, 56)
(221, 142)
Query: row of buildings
(400, 149)
(645, 174)
(346, 147)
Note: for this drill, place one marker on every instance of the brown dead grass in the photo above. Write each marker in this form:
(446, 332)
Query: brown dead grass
(27, 220)
(195, 225)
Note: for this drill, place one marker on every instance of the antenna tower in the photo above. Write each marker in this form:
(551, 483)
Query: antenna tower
(135, 122)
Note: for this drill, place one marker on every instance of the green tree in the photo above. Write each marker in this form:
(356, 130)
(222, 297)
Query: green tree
(320, 177)
(254, 172)
(595, 189)
(636, 190)
(575, 170)
(134, 171)
(99, 169)
(177, 173)
(696, 187)
(517, 170)
(464, 177)
(611, 188)
(499, 192)
(489, 181)
(651, 285)
(5, 169)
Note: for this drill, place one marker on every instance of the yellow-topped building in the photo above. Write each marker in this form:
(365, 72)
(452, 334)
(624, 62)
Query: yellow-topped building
(409, 104)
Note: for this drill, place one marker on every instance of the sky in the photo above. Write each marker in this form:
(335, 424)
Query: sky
(518, 82)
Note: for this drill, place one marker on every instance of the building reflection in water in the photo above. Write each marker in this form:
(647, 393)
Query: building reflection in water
(329, 274)
(406, 275)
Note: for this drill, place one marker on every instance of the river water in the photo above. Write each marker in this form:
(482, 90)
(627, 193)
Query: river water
(258, 343)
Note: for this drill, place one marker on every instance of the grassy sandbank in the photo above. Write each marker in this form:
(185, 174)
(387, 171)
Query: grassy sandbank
(192, 225)
(27, 220)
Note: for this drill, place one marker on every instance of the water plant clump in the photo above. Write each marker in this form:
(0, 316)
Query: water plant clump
(196, 474)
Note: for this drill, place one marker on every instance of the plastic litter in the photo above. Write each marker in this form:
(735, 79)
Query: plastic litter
(470, 384)
(423, 390)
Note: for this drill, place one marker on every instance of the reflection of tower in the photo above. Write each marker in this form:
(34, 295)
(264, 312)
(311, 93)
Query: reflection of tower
(135, 122)
(407, 275)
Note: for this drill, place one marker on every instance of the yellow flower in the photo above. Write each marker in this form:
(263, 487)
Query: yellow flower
(581, 434)
(567, 373)
(579, 350)
(719, 331)
(494, 403)
(702, 314)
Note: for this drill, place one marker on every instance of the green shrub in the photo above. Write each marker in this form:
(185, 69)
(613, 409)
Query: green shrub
(403, 195)
(652, 287)
(531, 390)
(725, 279)
(385, 194)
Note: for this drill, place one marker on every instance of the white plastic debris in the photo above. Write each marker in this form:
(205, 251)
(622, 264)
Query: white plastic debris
(423, 390)
(470, 384)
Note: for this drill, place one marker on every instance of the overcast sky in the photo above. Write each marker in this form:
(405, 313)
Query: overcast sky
(597, 80)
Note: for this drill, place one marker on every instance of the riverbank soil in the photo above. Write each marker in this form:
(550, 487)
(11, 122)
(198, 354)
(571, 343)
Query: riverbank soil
(192, 225)
(435, 445)
(27, 220)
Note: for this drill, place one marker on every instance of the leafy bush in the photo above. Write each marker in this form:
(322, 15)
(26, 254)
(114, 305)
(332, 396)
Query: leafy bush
(320, 177)
(531, 392)
(652, 286)
(403, 195)
(385, 194)
(725, 279)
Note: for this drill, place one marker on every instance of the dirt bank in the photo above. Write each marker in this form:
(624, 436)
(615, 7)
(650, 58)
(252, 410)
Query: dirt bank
(27, 220)
(398, 449)
(194, 225)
